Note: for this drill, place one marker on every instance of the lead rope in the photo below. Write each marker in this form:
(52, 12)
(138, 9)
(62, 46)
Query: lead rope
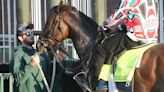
(49, 89)
(44, 79)
(42, 74)
(54, 70)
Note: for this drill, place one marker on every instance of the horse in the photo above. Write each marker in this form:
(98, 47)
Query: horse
(66, 21)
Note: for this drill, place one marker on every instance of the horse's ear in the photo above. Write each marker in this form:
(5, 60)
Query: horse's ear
(61, 2)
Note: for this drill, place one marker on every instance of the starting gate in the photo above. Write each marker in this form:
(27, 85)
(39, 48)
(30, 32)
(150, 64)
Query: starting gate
(8, 25)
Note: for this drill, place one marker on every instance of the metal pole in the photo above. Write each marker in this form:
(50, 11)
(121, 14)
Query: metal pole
(83, 6)
(9, 27)
(15, 23)
(89, 8)
(1, 83)
(3, 30)
(45, 10)
(161, 22)
(76, 3)
(11, 80)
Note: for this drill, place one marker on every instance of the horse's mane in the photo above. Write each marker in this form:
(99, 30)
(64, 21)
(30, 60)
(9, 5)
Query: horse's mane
(83, 18)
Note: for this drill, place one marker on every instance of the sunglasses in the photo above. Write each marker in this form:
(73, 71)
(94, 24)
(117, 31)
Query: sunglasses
(29, 33)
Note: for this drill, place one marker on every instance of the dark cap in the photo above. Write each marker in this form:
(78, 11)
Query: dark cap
(23, 27)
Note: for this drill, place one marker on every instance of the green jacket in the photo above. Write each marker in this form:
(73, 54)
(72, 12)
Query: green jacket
(26, 77)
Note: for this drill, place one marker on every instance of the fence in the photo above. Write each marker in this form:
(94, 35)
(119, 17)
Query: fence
(6, 82)
(7, 41)
(7, 29)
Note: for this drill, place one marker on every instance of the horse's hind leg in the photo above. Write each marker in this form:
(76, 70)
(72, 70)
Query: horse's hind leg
(144, 78)
(159, 86)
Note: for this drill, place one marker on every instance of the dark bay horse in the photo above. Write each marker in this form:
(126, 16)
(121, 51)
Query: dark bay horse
(66, 21)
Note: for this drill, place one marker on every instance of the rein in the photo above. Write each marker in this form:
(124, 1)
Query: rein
(83, 66)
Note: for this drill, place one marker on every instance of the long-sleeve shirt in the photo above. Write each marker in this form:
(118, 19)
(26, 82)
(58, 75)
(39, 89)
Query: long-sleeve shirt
(26, 77)
(141, 18)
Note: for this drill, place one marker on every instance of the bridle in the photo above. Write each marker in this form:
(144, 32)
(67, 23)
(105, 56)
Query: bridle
(50, 37)
(56, 20)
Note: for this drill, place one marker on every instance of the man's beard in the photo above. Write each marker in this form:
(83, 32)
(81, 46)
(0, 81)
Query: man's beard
(29, 43)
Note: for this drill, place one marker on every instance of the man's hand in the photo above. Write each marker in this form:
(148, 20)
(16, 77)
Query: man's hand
(35, 60)
(59, 55)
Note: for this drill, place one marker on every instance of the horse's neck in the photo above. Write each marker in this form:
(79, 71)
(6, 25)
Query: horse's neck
(83, 36)
(83, 46)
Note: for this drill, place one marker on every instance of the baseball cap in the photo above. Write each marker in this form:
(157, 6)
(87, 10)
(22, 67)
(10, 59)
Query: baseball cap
(23, 27)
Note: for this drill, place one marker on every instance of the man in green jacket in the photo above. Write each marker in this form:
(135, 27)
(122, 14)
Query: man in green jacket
(24, 64)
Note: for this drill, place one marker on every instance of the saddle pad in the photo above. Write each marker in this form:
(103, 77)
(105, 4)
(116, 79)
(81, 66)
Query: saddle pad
(127, 62)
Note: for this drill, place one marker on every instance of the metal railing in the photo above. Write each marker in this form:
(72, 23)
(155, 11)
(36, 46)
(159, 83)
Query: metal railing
(7, 29)
(3, 86)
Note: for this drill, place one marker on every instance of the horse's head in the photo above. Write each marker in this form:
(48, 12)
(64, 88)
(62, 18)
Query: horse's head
(65, 21)
(55, 30)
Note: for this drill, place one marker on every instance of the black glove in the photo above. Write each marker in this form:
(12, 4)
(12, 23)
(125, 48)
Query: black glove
(101, 28)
